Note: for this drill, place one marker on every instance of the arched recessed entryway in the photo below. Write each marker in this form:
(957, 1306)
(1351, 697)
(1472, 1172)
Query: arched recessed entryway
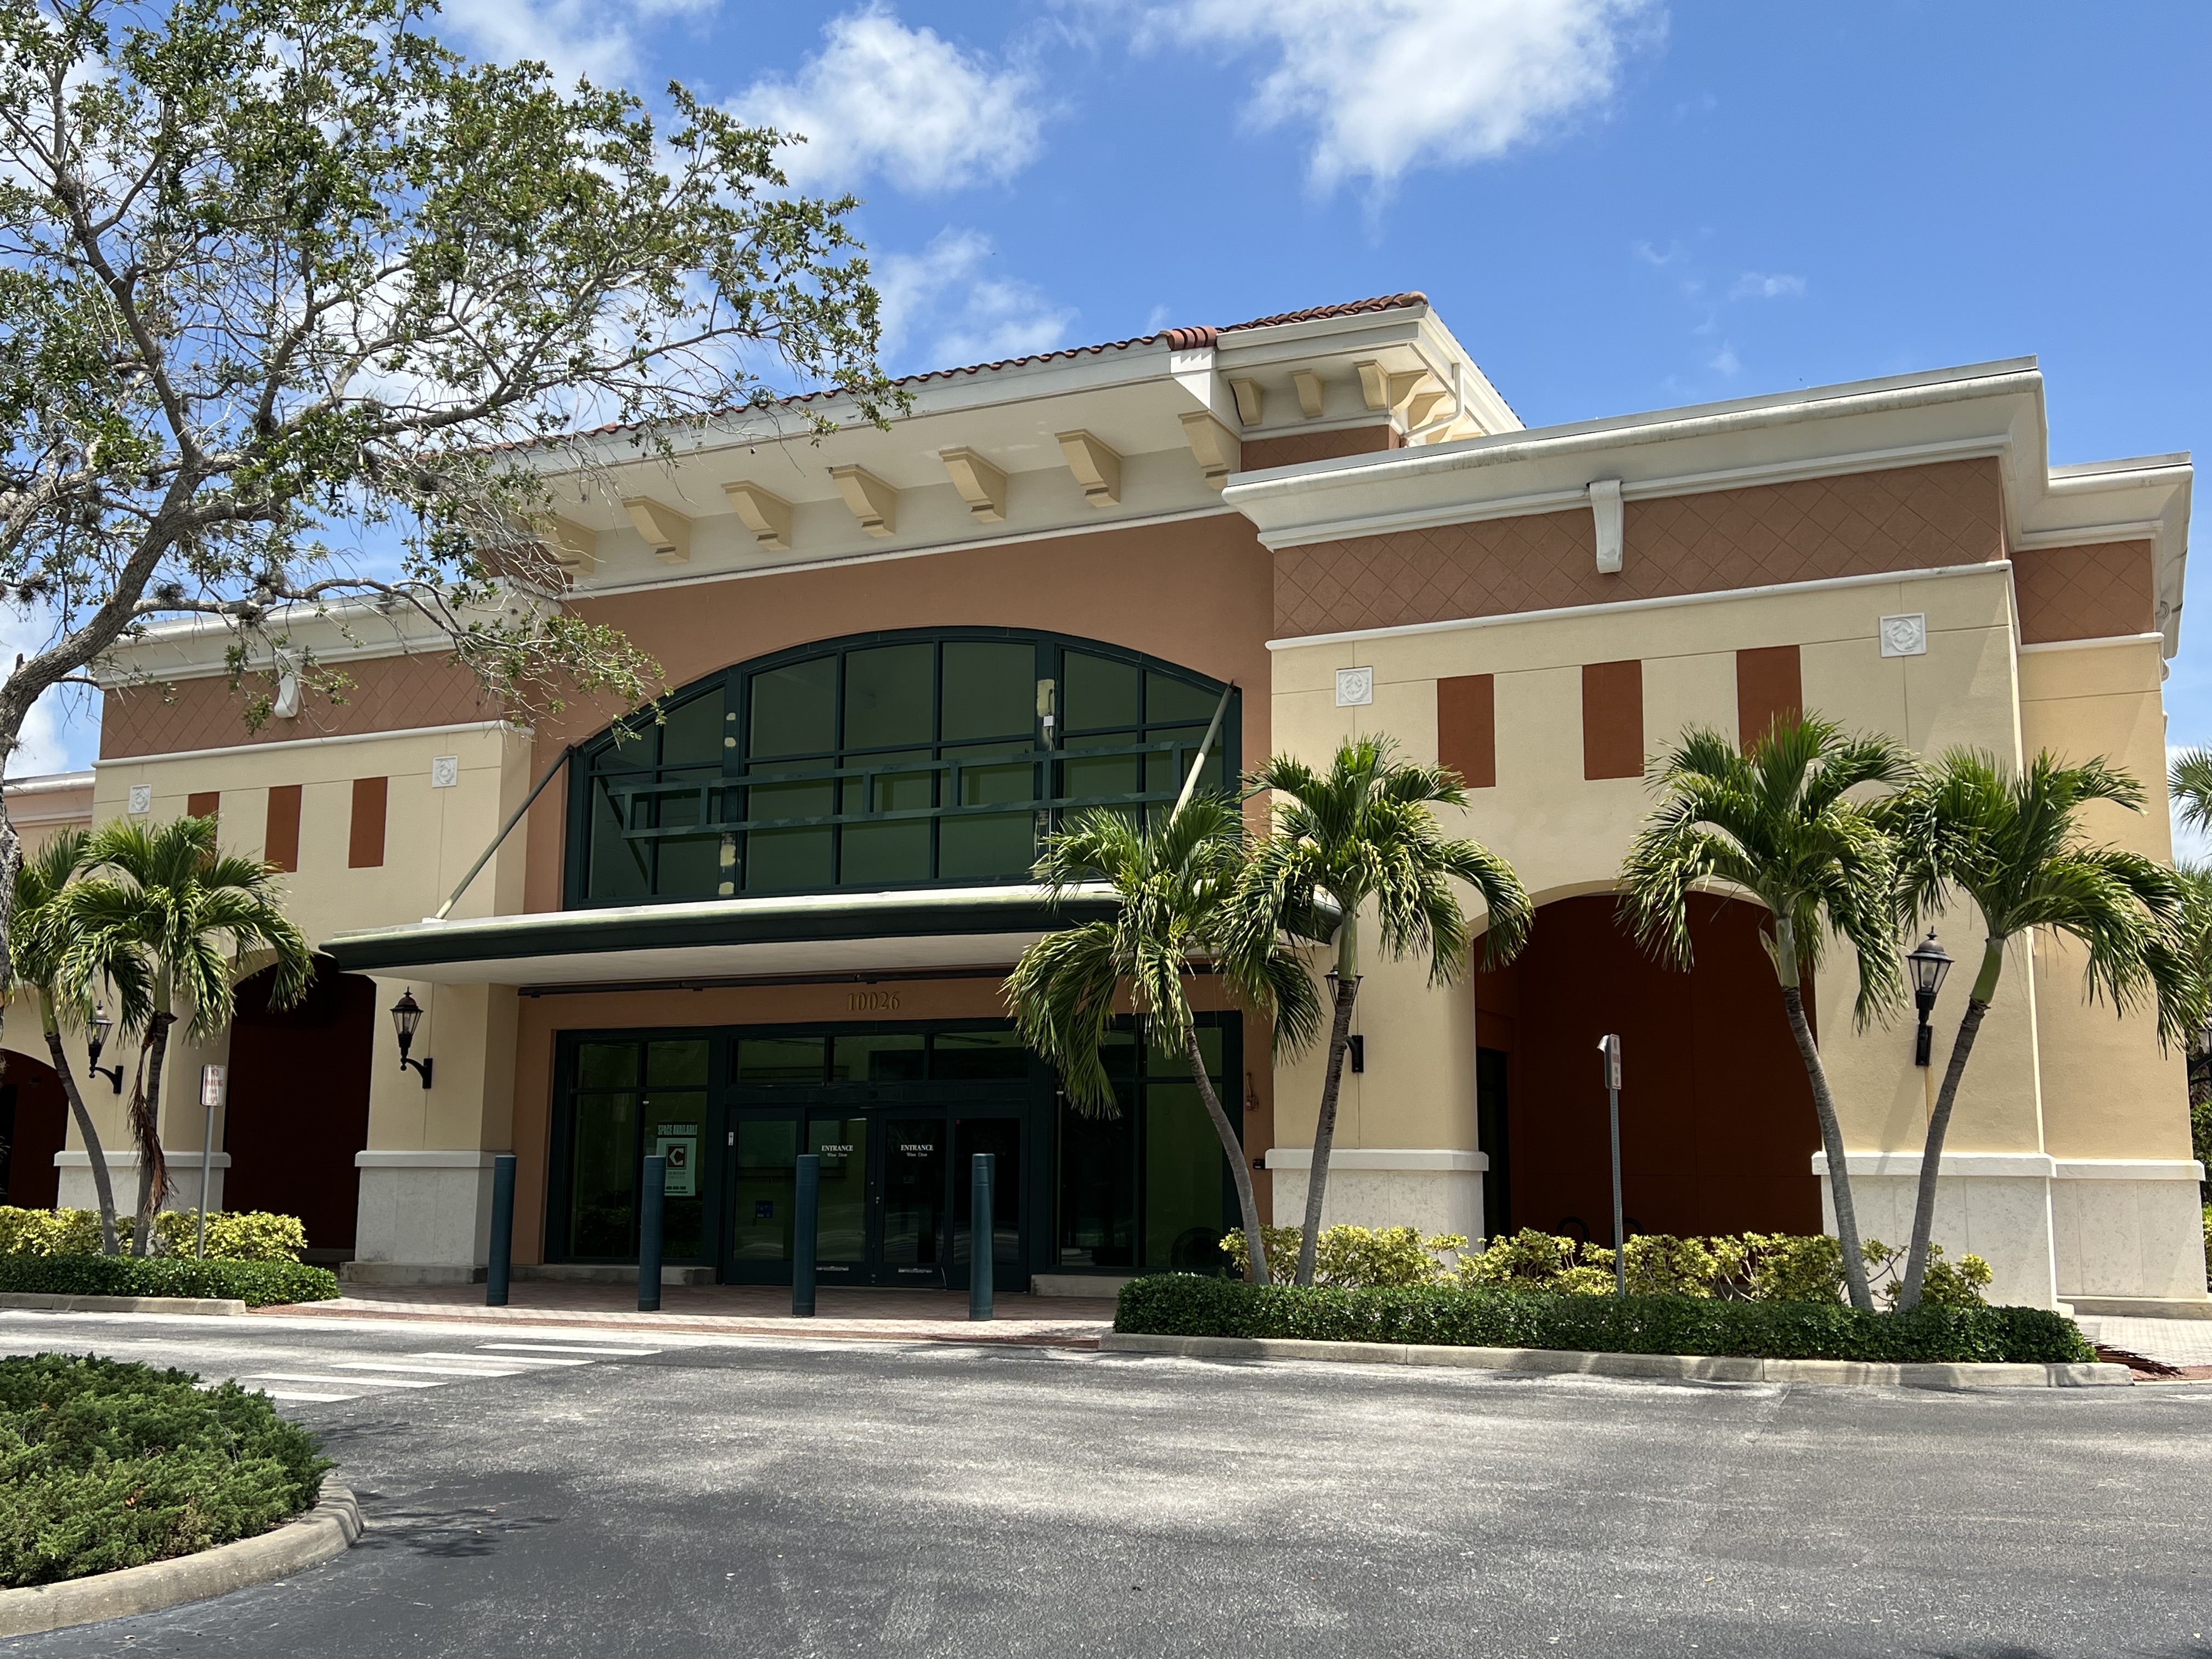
(299, 1103)
(34, 1127)
(1717, 1129)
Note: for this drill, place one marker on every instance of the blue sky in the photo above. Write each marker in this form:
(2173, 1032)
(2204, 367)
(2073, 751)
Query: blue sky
(1616, 206)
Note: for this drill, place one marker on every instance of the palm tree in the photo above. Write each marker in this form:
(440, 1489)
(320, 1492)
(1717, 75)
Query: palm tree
(2013, 846)
(38, 937)
(1774, 820)
(1365, 833)
(160, 914)
(2188, 781)
(1173, 883)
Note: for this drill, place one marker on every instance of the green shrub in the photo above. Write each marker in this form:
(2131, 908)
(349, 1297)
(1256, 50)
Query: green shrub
(106, 1465)
(1348, 1255)
(235, 1236)
(1743, 1267)
(258, 1283)
(2207, 1241)
(1180, 1304)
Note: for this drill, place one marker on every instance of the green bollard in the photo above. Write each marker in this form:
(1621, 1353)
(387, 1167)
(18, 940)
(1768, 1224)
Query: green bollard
(982, 1236)
(807, 1205)
(502, 1230)
(652, 1204)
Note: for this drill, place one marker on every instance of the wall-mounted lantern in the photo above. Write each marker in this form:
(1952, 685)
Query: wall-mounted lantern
(1928, 961)
(406, 1015)
(101, 1025)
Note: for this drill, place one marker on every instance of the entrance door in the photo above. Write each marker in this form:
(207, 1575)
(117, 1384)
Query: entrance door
(842, 1234)
(914, 1211)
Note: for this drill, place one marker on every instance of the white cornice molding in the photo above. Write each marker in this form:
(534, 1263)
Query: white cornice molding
(2102, 642)
(1657, 602)
(463, 729)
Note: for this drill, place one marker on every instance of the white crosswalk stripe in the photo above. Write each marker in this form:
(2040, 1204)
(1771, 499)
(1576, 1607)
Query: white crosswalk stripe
(518, 1359)
(558, 1347)
(430, 1370)
(342, 1382)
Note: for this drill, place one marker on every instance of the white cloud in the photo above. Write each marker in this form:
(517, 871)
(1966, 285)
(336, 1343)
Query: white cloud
(572, 37)
(942, 309)
(881, 98)
(1392, 85)
(1726, 362)
(1757, 285)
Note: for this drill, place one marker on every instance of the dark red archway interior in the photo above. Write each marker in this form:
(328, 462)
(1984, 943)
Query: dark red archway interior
(34, 1127)
(1717, 1130)
(299, 1103)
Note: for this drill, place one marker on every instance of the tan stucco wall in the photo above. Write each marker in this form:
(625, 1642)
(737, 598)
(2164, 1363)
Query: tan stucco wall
(1566, 836)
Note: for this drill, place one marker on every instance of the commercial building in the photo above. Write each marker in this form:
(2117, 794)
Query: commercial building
(776, 919)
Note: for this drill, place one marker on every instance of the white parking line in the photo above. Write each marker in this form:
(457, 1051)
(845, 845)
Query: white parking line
(432, 1370)
(557, 1347)
(517, 1360)
(342, 1382)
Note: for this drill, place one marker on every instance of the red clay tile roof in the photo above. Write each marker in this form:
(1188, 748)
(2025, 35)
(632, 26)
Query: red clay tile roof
(1178, 339)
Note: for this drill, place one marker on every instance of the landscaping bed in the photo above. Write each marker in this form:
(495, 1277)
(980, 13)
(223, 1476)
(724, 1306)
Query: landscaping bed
(257, 1284)
(106, 1465)
(1184, 1305)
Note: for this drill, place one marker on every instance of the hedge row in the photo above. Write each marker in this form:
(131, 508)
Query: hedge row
(1183, 1304)
(258, 1283)
(234, 1235)
(106, 1464)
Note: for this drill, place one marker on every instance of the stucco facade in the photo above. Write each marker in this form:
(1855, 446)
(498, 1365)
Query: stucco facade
(1333, 523)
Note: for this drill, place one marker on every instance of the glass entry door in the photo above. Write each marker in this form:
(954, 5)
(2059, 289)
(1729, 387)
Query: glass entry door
(915, 1164)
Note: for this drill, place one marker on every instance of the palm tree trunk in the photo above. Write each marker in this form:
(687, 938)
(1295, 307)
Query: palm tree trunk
(1348, 988)
(1256, 1243)
(95, 1155)
(1939, 1123)
(146, 1128)
(1832, 1138)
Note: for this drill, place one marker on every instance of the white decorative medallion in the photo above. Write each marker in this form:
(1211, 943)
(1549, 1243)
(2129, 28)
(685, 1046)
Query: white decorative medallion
(1355, 686)
(444, 771)
(142, 797)
(1905, 636)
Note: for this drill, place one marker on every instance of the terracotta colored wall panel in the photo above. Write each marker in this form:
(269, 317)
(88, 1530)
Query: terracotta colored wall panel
(1612, 720)
(280, 843)
(365, 843)
(1717, 1123)
(2096, 593)
(1195, 592)
(389, 693)
(1769, 687)
(1296, 448)
(1863, 523)
(203, 804)
(1466, 727)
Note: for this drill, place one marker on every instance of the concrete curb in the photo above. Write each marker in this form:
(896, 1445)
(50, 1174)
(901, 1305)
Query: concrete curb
(148, 1305)
(1702, 1368)
(306, 1540)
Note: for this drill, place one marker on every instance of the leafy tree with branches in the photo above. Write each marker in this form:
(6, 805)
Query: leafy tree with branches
(162, 915)
(41, 938)
(299, 310)
(1363, 835)
(1173, 884)
(2011, 844)
(1777, 820)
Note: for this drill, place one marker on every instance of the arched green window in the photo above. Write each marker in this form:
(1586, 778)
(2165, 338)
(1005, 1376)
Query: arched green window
(883, 760)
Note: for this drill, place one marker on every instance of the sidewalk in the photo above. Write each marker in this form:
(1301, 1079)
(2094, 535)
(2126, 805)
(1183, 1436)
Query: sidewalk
(876, 1315)
(2186, 1343)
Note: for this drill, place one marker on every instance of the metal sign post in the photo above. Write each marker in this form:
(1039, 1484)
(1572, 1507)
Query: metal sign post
(210, 1097)
(982, 1235)
(1609, 1048)
(651, 1212)
(501, 1266)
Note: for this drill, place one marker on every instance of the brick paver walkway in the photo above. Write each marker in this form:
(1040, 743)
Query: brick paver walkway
(2184, 1342)
(739, 1309)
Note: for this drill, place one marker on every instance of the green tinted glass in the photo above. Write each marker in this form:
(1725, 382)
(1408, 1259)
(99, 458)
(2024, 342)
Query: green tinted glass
(795, 708)
(1098, 692)
(877, 1057)
(887, 695)
(603, 1174)
(692, 734)
(1182, 1180)
(781, 1060)
(1167, 699)
(990, 689)
(677, 1065)
(761, 1207)
(969, 1056)
(606, 1065)
(620, 869)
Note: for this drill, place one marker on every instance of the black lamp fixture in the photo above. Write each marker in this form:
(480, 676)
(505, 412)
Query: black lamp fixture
(1928, 961)
(406, 1015)
(101, 1025)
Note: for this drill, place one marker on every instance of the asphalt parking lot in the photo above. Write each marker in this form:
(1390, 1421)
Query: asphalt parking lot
(607, 1494)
